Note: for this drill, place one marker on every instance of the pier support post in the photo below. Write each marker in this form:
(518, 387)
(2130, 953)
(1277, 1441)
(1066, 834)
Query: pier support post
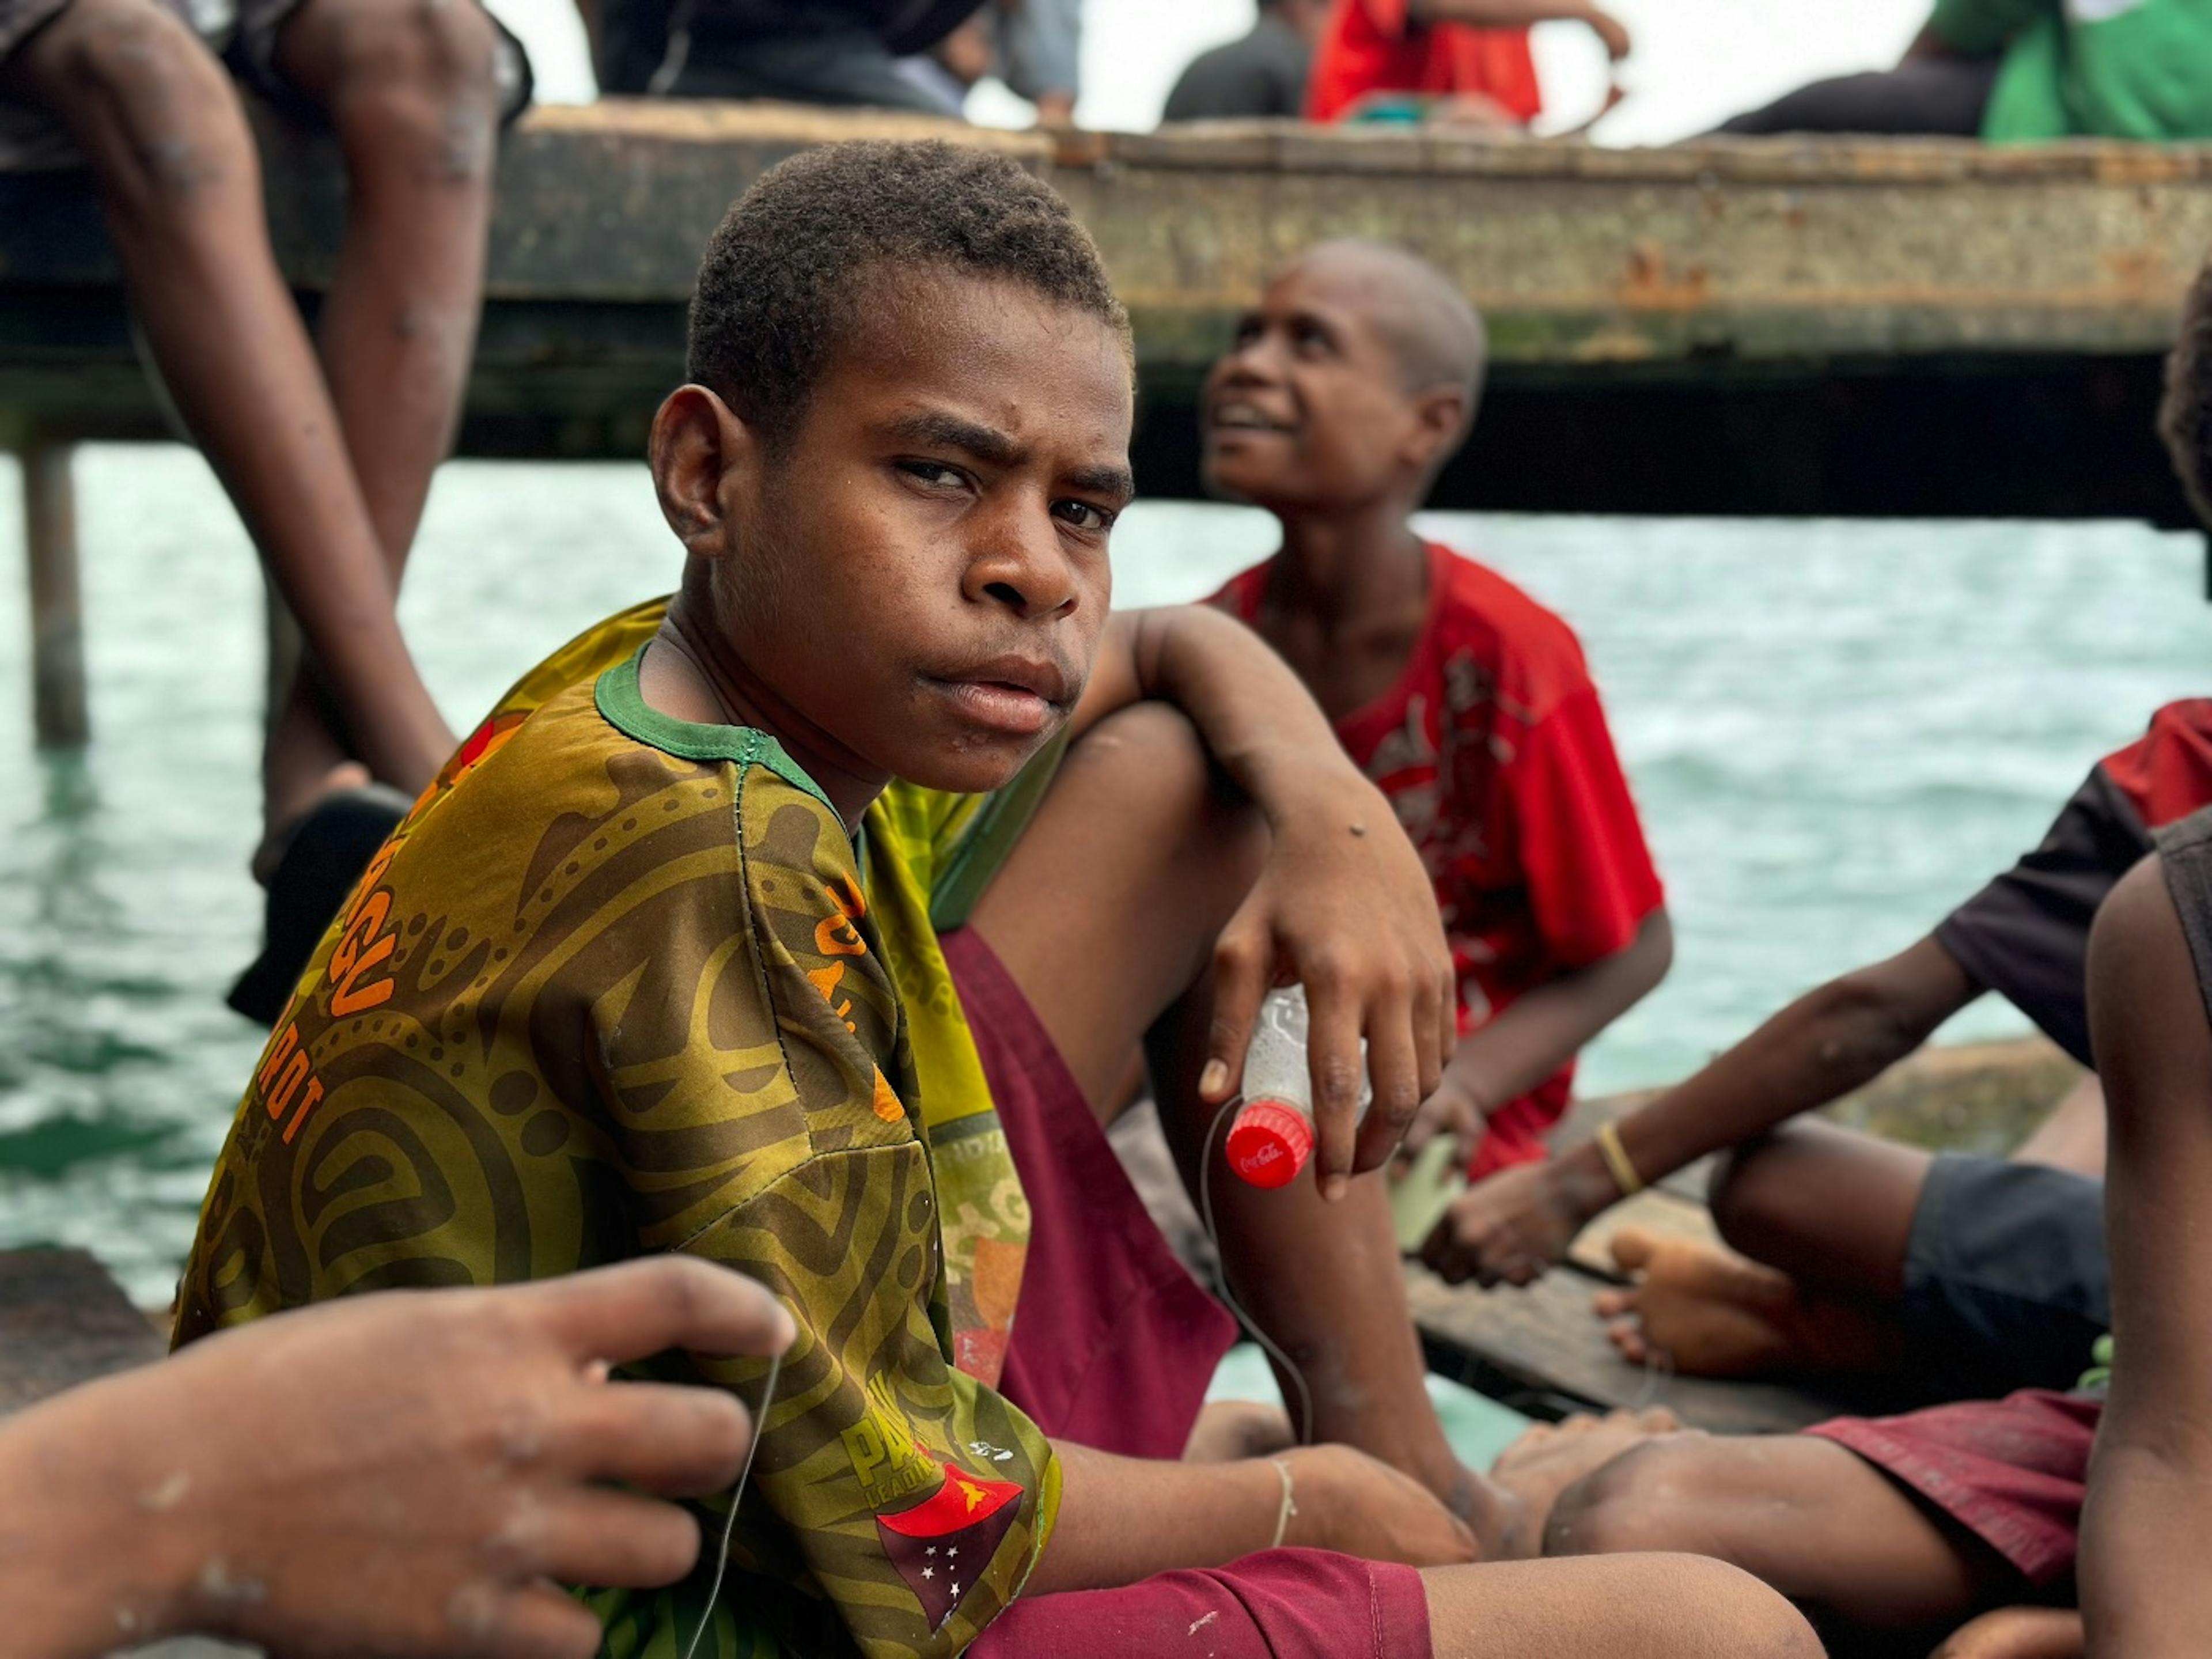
(59, 711)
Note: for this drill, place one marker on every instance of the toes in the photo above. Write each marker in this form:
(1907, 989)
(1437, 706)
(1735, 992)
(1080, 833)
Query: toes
(1633, 1249)
(1627, 1336)
(1612, 1304)
(1657, 1420)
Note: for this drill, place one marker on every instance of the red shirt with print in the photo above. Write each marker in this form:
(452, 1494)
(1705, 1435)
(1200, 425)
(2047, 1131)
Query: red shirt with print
(1373, 45)
(1493, 749)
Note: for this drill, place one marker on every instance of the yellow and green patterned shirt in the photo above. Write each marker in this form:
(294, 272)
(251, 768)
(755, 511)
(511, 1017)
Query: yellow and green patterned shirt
(624, 984)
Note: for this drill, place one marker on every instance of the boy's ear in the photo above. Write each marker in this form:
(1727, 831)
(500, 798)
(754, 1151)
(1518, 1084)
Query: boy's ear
(1440, 417)
(701, 452)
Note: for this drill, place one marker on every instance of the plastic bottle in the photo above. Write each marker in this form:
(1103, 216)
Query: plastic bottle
(1272, 1138)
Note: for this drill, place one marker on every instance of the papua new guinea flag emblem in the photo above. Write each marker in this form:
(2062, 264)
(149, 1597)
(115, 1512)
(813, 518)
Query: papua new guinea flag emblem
(942, 1545)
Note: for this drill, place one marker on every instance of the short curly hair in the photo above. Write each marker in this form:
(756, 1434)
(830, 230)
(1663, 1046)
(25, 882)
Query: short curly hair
(788, 272)
(2184, 417)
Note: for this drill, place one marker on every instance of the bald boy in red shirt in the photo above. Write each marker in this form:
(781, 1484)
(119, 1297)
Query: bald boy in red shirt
(1465, 701)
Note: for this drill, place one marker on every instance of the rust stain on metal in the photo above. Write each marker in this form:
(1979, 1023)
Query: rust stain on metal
(1650, 286)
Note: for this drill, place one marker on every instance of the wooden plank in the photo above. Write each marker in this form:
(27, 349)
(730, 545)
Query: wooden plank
(63, 1321)
(1542, 1348)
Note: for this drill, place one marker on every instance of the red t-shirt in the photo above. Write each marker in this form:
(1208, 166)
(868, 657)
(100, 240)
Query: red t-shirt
(1371, 45)
(1492, 746)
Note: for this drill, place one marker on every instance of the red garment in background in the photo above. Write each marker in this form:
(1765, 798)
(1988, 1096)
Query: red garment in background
(1492, 746)
(1373, 45)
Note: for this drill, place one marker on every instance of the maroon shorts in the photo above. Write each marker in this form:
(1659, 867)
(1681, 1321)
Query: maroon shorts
(2010, 1471)
(1113, 1346)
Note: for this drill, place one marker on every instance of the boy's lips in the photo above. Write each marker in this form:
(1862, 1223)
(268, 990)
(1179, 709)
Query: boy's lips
(1237, 415)
(1019, 695)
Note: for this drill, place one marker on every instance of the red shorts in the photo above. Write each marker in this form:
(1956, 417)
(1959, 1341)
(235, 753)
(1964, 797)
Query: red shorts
(2010, 1471)
(1113, 1346)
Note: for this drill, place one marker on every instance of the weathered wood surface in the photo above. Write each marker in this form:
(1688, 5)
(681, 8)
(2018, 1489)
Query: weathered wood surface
(1784, 326)
(63, 1321)
(1543, 1347)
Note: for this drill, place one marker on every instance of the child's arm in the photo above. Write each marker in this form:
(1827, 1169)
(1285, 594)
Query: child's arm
(1822, 1046)
(1344, 906)
(1521, 14)
(1123, 1519)
(2144, 1589)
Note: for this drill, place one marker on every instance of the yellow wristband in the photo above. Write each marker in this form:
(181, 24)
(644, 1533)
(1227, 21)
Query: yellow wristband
(1617, 1160)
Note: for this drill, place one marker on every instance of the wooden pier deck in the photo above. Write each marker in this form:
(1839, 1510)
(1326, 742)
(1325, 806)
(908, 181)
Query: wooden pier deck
(1782, 326)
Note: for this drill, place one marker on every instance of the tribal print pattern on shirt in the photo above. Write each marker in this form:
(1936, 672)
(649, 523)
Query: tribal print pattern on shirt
(617, 986)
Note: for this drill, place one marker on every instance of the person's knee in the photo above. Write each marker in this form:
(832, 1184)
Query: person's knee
(400, 76)
(145, 99)
(1739, 1615)
(1652, 1498)
(1749, 1206)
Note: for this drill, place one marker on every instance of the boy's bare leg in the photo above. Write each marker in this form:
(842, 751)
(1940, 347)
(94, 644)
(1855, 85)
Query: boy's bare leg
(178, 177)
(2073, 1136)
(1106, 916)
(1803, 1286)
(1813, 1521)
(408, 87)
(1635, 1606)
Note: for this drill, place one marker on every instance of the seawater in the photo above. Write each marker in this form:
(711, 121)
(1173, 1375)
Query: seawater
(1835, 730)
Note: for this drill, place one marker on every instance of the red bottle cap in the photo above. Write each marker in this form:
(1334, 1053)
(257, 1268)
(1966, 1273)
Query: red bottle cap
(1269, 1143)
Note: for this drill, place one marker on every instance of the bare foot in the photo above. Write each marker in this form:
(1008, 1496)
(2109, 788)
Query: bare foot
(1552, 1456)
(1228, 1430)
(284, 817)
(2019, 1633)
(1710, 1312)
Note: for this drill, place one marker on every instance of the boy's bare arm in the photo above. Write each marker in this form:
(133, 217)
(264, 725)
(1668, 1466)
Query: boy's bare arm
(1123, 1519)
(2144, 1590)
(1344, 906)
(1521, 14)
(397, 1473)
(1829, 1041)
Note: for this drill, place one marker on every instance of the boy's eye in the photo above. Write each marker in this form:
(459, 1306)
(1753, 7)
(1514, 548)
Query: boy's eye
(933, 472)
(1083, 515)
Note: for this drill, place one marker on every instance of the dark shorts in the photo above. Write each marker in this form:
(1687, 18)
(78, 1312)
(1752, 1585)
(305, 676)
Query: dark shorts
(246, 39)
(1113, 1345)
(1929, 95)
(2010, 1471)
(2006, 1281)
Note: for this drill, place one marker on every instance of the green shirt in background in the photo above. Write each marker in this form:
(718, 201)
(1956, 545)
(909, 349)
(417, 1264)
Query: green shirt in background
(2088, 69)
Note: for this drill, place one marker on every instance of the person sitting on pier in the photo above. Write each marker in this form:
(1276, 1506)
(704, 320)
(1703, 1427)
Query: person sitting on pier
(841, 53)
(669, 961)
(2022, 71)
(1461, 60)
(1973, 1274)
(1260, 73)
(1467, 702)
(328, 461)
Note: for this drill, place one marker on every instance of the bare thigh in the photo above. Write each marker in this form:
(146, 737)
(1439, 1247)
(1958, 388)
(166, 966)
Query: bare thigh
(1832, 1208)
(1108, 909)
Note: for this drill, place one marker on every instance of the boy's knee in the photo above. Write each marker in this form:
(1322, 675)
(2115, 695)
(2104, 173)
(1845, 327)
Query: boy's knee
(1151, 747)
(1741, 1616)
(143, 97)
(1746, 1207)
(1646, 1499)
(397, 70)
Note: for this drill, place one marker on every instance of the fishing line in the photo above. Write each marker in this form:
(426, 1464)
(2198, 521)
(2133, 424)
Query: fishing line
(1228, 1296)
(730, 1521)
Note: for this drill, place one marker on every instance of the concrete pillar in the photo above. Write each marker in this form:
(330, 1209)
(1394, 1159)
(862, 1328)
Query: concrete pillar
(59, 712)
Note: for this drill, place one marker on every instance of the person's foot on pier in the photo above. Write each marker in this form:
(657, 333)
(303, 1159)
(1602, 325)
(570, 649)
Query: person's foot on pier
(1710, 1312)
(1549, 1457)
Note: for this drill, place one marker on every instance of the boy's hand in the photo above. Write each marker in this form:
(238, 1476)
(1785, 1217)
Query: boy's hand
(1510, 1227)
(408, 1473)
(1452, 1110)
(1357, 1505)
(1344, 908)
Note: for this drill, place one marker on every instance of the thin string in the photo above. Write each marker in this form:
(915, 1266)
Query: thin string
(737, 1492)
(1205, 1214)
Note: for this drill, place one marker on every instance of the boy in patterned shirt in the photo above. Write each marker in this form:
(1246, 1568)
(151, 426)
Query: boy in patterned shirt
(668, 962)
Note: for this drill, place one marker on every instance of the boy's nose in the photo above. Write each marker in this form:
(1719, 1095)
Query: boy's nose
(1019, 561)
